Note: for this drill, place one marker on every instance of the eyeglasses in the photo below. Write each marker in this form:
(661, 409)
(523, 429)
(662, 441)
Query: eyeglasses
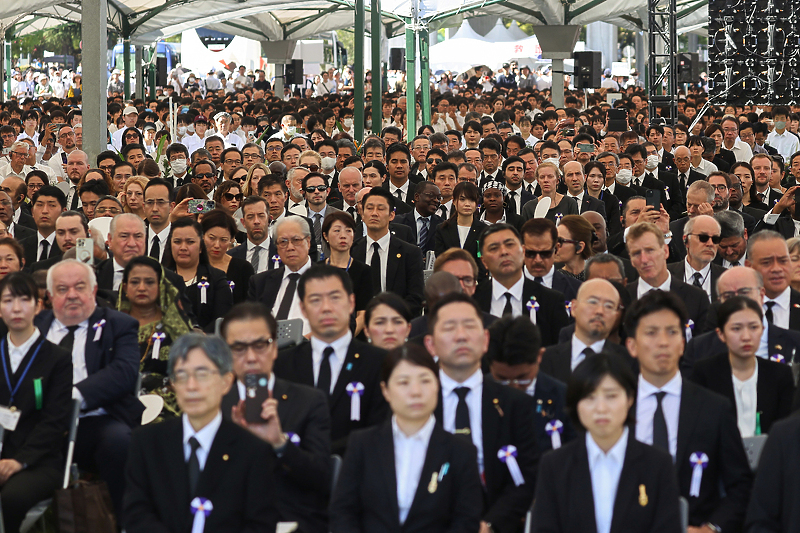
(201, 375)
(702, 237)
(311, 167)
(467, 281)
(201, 176)
(432, 196)
(744, 291)
(284, 242)
(516, 382)
(544, 254)
(312, 188)
(259, 346)
(159, 203)
(110, 210)
(231, 197)
(561, 240)
(721, 187)
(233, 161)
(274, 148)
(21, 154)
(107, 169)
(607, 305)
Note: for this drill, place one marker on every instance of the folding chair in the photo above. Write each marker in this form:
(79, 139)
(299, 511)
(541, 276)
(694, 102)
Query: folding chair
(684, 510)
(753, 446)
(336, 467)
(290, 332)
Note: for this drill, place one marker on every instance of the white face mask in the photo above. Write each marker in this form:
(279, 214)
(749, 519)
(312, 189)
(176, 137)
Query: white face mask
(348, 123)
(369, 124)
(178, 166)
(553, 160)
(190, 129)
(651, 163)
(290, 130)
(181, 130)
(624, 176)
(328, 163)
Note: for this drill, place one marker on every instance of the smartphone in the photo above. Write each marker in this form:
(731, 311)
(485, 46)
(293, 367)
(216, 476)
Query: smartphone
(256, 388)
(617, 120)
(653, 198)
(201, 206)
(586, 148)
(84, 251)
(568, 132)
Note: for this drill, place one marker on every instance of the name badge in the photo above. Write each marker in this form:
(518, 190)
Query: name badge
(9, 417)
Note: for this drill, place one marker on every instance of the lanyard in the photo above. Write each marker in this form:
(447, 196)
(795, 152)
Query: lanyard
(22, 377)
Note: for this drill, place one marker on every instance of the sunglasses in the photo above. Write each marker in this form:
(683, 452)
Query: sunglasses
(320, 188)
(231, 197)
(209, 175)
(311, 168)
(431, 161)
(544, 254)
(702, 237)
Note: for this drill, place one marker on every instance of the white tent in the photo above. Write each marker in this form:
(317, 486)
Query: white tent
(517, 32)
(466, 32)
(459, 55)
(499, 34)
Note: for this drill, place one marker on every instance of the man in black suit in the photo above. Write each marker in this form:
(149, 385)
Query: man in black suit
(70, 226)
(723, 189)
(733, 244)
(496, 419)
(32, 464)
(683, 166)
(762, 175)
(515, 355)
(576, 181)
(671, 197)
(540, 242)
(274, 191)
(595, 310)
(620, 190)
(699, 201)
(401, 231)
(648, 253)
(491, 153)
(735, 204)
(105, 356)
(509, 291)
(396, 265)
(18, 231)
(258, 249)
(17, 190)
(48, 203)
(513, 172)
(702, 235)
(445, 176)
(768, 254)
(181, 468)
(294, 420)
(158, 205)
(423, 220)
(399, 184)
(633, 211)
(697, 427)
(786, 226)
(333, 361)
(350, 182)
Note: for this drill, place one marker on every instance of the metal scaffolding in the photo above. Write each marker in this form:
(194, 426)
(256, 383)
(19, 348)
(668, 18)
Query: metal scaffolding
(663, 41)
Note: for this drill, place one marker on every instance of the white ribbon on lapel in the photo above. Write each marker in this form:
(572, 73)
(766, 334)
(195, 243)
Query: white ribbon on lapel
(355, 390)
(158, 336)
(294, 438)
(276, 261)
(533, 308)
(98, 329)
(201, 508)
(508, 455)
(554, 428)
(232, 285)
(203, 291)
(699, 462)
(689, 330)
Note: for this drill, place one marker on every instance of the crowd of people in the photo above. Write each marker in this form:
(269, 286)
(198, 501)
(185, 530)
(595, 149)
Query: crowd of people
(516, 313)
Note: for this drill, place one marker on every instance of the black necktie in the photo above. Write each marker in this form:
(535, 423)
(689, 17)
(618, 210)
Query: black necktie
(45, 250)
(375, 265)
(507, 310)
(512, 201)
(69, 339)
(324, 379)
(768, 313)
(660, 435)
(399, 194)
(539, 280)
(74, 204)
(735, 264)
(288, 297)
(194, 465)
(462, 412)
(762, 196)
(588, 352)
(443, 209)
(352, 211)
(683, 181)
(698, 280)
(155, 250)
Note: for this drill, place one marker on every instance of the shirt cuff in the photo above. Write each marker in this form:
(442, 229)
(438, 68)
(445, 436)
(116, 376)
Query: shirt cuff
(76, 395)
(770, 218)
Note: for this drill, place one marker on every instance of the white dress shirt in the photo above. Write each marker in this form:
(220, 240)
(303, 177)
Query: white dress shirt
(705, 167)
(578, 347)
(119, 270)
(409, 458)
(746, 396)
(51, 241)
(294, 311)
(17, 353)
(547, 279)
(499, 297)
(336, 359)
(205, 437)
(741, 150)
(383, 252)
(263, 258)
(646, 404)
(58, 331)
(643, 287)
(163, 241)
(705, 276)
(403, 188)
(780, 311)
(605, 470)
(474, 401)
(578, 200)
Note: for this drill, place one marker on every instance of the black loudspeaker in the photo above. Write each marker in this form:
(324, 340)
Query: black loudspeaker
(688, 67)
(293, 72)
(397, 59)
(161, 71)
(587, 70)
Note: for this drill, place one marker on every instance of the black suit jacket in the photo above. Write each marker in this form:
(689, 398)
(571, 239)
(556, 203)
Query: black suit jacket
(241, 253)
(696, 301)
(448, 495)
(26, 220)
(774, 390)
(362, 364)
(219, 298)
(772, 197)
(30, 245)
(557, 359)
(521, 198)
(565, 504)
(409, 220)
(166, 255)
(23, 232)
(505, 420)
(566, 285)
(784, 226)
(613, 211)
(237, 479)
(672, 198)
(623, 192)
(403, 270)
(691, 177)
(112, 363)
(38, 440)
(302, 473)
(552, 314)
(679, 271)
(707, 423)
(408, 198)
(264, 287)
(447, 237)
(590, 203)
(549, 401)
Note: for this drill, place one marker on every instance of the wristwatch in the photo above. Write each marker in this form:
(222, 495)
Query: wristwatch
(713, 527)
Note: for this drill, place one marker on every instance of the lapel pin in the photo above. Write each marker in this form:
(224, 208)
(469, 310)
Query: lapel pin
(284, 397)
(778, 347)
(434, 484)
(357, 356)
(642, 496)
(399, 256)
(349, 367)
(225, 457)
(496, 403)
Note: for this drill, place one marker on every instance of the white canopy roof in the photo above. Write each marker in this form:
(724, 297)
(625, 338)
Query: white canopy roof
(499, 34)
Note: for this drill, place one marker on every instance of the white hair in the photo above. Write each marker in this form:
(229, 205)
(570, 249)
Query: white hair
(300, 221)
(124, 216)
(89, 272)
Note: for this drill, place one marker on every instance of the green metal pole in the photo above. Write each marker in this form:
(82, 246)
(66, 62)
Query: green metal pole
(377, 77)
(425, 76)
(151, 72)
(126, 59)
(411, 71)
(7, 47)
(358, 71)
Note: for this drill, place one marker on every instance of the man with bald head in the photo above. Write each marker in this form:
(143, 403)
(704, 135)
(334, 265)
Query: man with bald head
(350, 182)
(775, 341)
(595, 310)
(575, 180)
(683, 166)
(58, 163)
(19, 232)
(701, 236)
(77, 165)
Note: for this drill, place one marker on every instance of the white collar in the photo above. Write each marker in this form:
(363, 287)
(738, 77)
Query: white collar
(578, 345)
(340, 345)
(673, 386)
(423, 435)
(783, 298)
(645, 287)
(117, 266)
(383, 242)
(206, 434)
(691, 270)
(516, 289)
(25, 346)
(287, 272)
(616, 453)
(448, 383)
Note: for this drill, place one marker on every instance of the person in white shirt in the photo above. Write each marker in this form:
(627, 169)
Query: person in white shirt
(699, 235)
(732, 142)
(784, 141)
(130, 115)
(768, 254)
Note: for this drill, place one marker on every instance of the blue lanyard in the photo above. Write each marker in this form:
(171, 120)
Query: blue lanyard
(22, 377)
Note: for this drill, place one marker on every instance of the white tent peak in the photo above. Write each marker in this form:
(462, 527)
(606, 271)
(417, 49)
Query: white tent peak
(466, 32)
(517, 32)
(499, 34)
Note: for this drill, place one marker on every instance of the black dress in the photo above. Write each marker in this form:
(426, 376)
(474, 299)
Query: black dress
(238, 274)
(218, 299)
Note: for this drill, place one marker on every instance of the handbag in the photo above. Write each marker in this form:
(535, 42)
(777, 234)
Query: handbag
(85, 508)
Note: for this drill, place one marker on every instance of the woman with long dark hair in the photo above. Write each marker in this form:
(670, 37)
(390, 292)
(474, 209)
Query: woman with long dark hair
(463, 228)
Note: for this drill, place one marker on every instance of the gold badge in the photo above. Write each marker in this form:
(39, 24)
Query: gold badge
(225, 457)
(284, 397)
(434, 484)
(399, 256)
(642, 496)
(357, 356)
